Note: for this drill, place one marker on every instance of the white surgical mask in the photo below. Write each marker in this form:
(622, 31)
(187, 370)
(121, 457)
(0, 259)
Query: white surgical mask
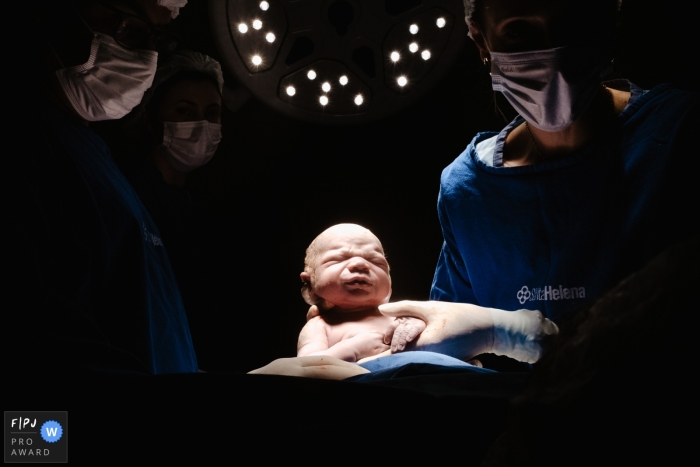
(549, 88)
(111, 83)
(189, 145)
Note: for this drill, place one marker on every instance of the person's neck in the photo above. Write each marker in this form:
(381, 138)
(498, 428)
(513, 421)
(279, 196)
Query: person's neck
(527, 145)
(170, 175)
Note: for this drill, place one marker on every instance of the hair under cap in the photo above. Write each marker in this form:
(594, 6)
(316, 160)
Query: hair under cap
(469, 8)
(185, 60)
(182, 60)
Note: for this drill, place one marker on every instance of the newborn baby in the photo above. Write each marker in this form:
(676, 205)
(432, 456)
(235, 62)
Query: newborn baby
(347, 277)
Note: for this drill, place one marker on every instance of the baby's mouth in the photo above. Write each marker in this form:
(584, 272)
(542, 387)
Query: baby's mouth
(358, 282)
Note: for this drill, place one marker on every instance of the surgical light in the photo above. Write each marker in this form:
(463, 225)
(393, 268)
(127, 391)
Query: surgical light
(290, 49)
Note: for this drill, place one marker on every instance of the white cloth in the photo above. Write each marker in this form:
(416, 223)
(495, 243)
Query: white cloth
(486, 149)
(173, 5)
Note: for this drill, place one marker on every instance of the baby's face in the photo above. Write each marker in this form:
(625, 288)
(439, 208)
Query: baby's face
(351, 270)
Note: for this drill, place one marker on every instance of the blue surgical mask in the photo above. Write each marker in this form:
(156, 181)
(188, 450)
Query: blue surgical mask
(549, 88)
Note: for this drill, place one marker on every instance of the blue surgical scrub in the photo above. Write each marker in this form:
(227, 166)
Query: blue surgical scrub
(556, 235)
(92, 287)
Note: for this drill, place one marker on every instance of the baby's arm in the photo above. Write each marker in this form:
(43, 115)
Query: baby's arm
(313, 340)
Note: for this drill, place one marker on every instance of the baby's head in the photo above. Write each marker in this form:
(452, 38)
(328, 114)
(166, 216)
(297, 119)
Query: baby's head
(345, 267)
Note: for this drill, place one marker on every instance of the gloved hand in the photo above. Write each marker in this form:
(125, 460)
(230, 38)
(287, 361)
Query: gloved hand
(463, 330)
(313, 312)
(321, 366)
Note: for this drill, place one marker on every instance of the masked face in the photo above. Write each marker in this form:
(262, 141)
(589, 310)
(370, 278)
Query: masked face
(111, 83)
(547, 57)
(549, 88)
(189, 145)
(190, 110)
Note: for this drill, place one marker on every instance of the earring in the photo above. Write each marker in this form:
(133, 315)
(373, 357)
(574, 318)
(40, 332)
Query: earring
(487, 64)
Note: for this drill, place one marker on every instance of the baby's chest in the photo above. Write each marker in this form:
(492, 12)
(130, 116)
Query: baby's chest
(347, 330)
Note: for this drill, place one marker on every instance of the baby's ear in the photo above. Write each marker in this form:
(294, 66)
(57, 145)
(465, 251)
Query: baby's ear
(306, 291)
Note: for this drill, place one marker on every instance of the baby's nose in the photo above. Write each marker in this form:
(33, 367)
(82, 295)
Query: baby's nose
(358, 264)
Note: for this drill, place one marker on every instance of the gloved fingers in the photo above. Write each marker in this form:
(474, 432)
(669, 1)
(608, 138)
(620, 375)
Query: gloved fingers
(404, 308)
(313, 312)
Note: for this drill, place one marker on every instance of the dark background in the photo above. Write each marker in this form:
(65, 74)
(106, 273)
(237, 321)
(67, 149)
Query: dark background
(276, 182)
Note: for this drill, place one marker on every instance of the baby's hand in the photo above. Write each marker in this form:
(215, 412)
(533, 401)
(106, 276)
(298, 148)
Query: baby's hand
(403, 331)
(367, 344)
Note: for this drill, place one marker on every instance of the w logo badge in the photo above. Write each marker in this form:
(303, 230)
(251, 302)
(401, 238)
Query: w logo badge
(523, 294)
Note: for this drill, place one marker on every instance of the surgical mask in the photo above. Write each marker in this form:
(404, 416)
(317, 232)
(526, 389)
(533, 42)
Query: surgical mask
(111, 83)
(549, 88)
(189, 145)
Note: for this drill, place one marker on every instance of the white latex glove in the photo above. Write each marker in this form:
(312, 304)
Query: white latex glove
(320, 366)
(463, 330)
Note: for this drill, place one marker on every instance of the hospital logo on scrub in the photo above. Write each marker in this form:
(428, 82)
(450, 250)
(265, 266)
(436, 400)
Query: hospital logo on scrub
(36, 437)
(150, 237)
(550, 293)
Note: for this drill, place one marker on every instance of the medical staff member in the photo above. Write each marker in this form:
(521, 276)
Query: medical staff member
(174, 131)
(91, 285)
(583, 188)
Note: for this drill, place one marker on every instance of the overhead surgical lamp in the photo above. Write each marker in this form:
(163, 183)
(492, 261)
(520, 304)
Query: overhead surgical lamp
(338, 61)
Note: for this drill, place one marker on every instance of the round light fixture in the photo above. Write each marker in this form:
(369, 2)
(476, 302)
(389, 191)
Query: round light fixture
(276, 49)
